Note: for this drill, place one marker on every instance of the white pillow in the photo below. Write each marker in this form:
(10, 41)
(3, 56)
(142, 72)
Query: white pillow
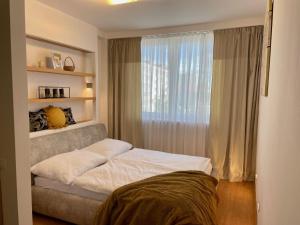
(67, 166)
(109, 147)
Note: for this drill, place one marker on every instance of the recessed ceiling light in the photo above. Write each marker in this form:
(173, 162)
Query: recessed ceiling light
(117, 2)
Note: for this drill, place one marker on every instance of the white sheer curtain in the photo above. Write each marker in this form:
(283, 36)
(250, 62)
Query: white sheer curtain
(176, 87)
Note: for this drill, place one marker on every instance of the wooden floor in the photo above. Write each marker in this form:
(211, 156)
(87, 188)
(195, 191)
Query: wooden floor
(236, 206)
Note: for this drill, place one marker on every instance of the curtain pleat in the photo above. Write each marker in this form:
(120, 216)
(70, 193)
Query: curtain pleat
(176, 85)
(124, 90)
(234, 102)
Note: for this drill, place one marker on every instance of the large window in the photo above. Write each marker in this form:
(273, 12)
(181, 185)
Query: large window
(176, 77)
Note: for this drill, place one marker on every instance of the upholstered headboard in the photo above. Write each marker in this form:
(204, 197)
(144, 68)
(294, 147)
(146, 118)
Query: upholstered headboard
(49, 145)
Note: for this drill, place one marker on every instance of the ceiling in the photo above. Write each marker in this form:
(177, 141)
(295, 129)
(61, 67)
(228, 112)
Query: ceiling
(146, 14)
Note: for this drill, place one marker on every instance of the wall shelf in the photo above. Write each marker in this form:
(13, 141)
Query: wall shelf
(83, 121)
(51, 100)
(38, 48)
(57, 43)
(58, 71)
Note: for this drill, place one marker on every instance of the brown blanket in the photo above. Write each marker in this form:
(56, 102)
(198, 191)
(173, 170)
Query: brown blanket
(179, 198)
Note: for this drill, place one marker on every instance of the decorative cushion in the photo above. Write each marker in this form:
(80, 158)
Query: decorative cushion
(69, 116)
(55, 117)
(38, 121)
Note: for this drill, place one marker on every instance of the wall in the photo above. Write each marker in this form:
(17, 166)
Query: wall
(278, 182)
(188, 28)
(103, 77)
(38, 51)
(51, 24)
(14, 160)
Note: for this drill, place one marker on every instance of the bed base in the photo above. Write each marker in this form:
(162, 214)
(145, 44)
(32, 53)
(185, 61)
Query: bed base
(67, 207)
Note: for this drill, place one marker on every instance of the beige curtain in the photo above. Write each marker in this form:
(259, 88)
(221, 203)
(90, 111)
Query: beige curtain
(124, 90)
(234, 102)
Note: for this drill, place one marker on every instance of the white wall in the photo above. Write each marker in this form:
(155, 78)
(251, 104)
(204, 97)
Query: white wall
(14, 153)
(103, 79)
(38, 51)
(278, 160)
(51, 24)
(187, 28)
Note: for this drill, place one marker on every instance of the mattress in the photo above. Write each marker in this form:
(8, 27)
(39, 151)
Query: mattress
(70, 189)
(135, 165)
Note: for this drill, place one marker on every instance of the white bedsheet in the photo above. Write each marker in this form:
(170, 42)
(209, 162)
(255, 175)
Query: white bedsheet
(135, 165)
(68, 188)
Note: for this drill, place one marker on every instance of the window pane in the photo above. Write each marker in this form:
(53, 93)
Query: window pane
(176, 77)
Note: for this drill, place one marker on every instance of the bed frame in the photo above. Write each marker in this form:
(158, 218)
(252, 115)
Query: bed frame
(60, 205)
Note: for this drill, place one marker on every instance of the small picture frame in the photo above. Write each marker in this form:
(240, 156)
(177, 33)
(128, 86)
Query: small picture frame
(56, 59)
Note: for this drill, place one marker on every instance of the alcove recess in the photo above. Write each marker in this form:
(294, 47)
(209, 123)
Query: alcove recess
(82, 97)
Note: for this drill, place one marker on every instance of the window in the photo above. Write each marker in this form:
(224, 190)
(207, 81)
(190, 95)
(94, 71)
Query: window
(176, 78)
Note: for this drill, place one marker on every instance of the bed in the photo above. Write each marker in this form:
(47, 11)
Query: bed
(88, 191)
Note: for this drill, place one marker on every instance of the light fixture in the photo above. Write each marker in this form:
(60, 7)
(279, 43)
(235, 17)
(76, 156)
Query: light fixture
(118, 2)
(89, 85)
(89, 82)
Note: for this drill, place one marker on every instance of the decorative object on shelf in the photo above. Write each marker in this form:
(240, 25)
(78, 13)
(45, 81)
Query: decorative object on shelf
(69, 67)
(49, 63)
(89, 82)
(57, 61)
(265, 70)
(46, 92)
(55, 93)
(61, 93)
(38, 120)
(41, 64)
(54, 62)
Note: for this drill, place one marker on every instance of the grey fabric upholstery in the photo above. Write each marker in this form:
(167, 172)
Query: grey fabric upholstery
(49, 145)
(64, 206)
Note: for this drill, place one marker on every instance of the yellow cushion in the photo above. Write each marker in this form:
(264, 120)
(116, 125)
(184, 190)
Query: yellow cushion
(56, 117)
